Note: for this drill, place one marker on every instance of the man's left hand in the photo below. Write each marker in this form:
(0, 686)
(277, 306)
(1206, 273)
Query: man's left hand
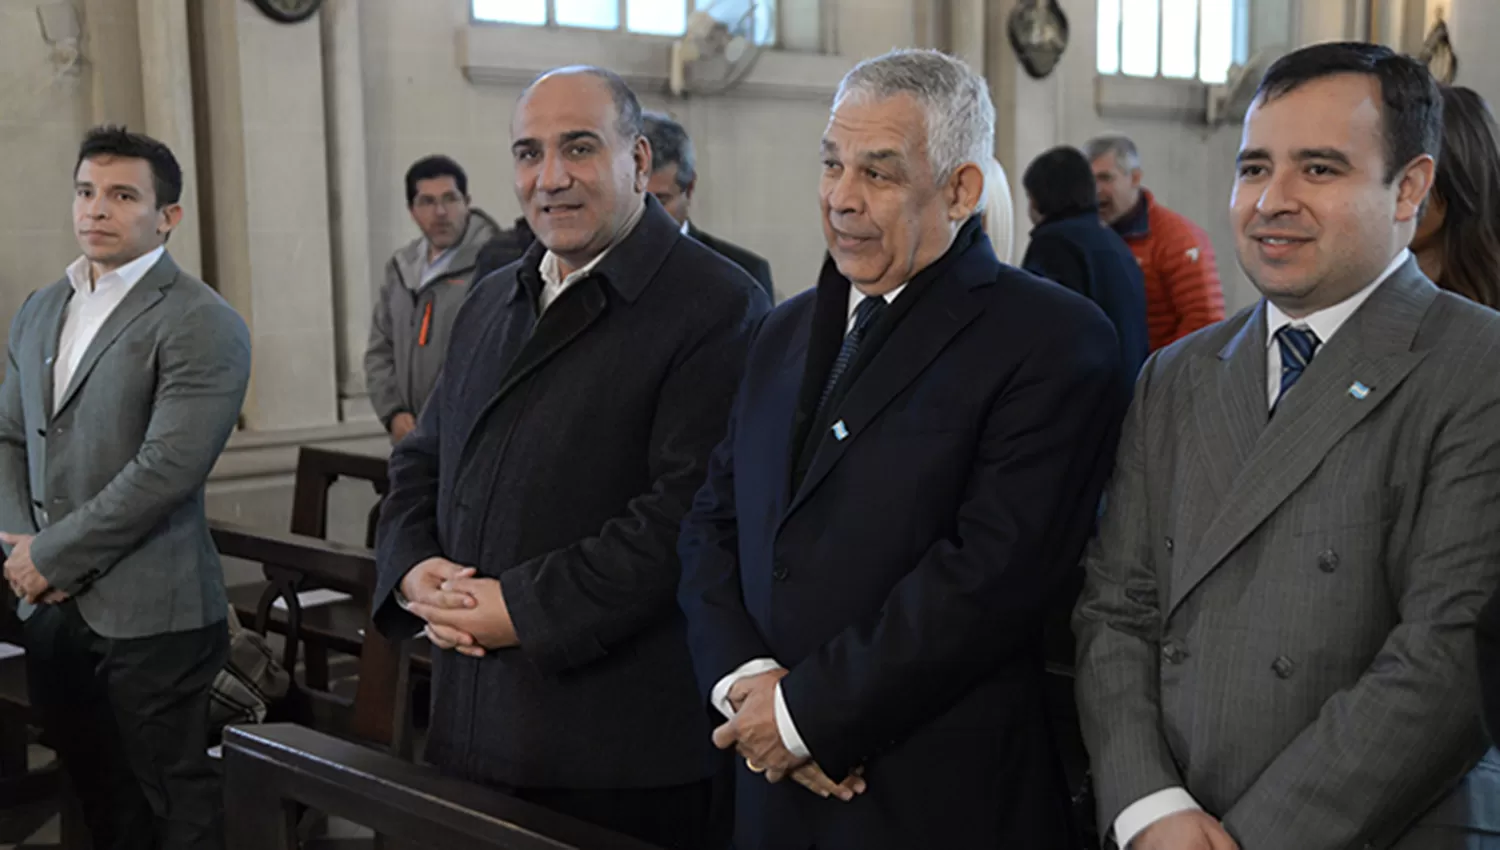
(753, 730)
(22, 574)
(488, 621)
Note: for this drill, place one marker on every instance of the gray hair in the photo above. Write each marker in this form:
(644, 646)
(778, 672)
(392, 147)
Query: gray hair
(671, 145)
(960, 115)
(1119, 145)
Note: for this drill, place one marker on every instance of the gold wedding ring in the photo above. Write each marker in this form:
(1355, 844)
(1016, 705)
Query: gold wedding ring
(754, 768)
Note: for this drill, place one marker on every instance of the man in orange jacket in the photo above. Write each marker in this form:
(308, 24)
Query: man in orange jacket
(1183, 292)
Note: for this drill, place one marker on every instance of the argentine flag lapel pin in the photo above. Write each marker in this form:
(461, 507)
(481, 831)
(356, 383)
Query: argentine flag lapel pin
(839, 431)
(1359, 391)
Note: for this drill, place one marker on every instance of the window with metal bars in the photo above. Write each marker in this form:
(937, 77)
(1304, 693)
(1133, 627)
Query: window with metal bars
(647, 17)
(1175, 39)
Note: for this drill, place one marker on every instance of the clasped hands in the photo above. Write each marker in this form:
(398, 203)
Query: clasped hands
(755, 736)
(25, 581)
(463, 613)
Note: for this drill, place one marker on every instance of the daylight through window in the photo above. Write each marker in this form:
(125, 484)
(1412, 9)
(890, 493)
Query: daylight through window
(1181, 39)
(648, 17)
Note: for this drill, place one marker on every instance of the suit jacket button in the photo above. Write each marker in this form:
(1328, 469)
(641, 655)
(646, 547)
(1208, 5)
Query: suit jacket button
(1328, 561)
(1173, 653)
(1283, 667)
(779, 570)
(1170, 544)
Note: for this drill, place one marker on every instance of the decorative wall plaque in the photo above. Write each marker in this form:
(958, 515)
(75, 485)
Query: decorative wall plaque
(1437, 53)
(289, 11)
(1039, 35)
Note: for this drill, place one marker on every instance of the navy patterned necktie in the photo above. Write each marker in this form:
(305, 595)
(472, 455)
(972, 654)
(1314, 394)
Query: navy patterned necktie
(864, 316)
(1298, 345)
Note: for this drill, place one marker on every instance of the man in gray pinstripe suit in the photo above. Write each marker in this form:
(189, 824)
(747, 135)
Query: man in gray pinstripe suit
(1275, 639)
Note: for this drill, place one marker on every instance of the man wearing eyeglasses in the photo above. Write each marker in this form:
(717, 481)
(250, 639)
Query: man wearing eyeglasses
(424, 284)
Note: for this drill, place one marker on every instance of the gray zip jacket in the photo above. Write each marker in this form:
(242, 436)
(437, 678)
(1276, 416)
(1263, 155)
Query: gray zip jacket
(401, 360)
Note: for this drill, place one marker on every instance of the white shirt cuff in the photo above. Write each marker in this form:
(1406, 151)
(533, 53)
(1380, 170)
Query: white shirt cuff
(1148, 810)
(719, 698)
(789, 737)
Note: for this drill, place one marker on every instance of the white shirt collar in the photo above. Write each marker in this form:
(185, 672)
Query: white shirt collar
(855, 296)
(685, 226)
(553, 284)
(1326, 322)
(127, 275)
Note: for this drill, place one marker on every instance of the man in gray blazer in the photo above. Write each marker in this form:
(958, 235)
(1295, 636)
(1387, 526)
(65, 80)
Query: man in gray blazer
(1276, 642)
(124, 380)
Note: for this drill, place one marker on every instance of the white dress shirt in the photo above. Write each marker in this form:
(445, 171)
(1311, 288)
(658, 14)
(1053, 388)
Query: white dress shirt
(1325, 323)
(92, 303)
(756, 666)
(554, 284)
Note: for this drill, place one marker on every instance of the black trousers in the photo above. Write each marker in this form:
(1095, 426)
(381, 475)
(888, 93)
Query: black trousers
(682, 817)
(129, 721)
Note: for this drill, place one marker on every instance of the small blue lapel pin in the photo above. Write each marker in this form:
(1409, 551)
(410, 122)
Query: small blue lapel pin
(839, 431)
(1359, 391)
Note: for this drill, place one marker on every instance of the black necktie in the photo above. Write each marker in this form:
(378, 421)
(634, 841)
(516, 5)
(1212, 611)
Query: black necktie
(864, 316)
(1298, 345)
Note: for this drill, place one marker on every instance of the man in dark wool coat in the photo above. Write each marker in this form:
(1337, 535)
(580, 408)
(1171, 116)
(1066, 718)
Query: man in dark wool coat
(912, 468)
(533, 515)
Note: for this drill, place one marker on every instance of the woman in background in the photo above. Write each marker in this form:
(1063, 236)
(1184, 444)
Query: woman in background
(1458, 239)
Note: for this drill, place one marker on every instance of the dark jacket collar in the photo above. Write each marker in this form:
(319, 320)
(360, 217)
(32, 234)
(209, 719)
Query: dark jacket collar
(1137, 223)
(1067, 217)
(628, 267)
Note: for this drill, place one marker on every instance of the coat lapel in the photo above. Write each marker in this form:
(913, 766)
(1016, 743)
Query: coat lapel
(914, 343)
(51, 321)
(564, 321)
(1375, 350)
(142, 297)
(1229, 400)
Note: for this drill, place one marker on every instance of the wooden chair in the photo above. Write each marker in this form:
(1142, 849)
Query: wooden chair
(317, 471)
(377, 713)
(334, 627)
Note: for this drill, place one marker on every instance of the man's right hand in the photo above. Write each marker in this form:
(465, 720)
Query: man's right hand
(1190, 830)
(401, 425)
(424, 584)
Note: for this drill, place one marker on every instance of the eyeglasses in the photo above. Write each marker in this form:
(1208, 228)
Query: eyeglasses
(426, 202)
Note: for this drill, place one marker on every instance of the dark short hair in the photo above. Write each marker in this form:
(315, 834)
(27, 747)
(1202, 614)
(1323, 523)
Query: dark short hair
(113, 140)
(671, 145)
(1411, 107)
(431, 168)
(1060, 183)
(628, 121)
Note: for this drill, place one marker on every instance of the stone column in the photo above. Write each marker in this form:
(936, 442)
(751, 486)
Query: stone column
(167, 101)
(267, 157)
(348, 189)
(966, 32)
(114, 63)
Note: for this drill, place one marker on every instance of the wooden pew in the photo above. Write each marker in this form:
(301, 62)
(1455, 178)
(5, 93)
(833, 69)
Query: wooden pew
(378, 711)
(273, 770)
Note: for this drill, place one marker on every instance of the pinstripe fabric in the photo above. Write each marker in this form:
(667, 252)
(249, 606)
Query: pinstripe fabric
(1278, 612)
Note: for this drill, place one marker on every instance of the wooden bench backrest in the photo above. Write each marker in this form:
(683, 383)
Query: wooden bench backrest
(317, 470)
(269, 770)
